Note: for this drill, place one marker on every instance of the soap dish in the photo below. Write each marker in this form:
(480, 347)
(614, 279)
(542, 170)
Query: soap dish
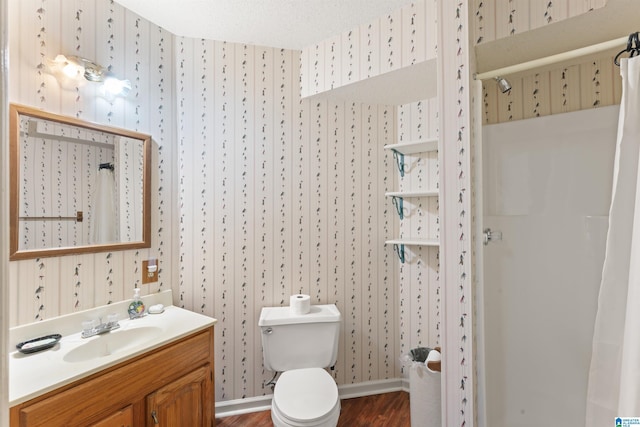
(38, 344)
(156, 309)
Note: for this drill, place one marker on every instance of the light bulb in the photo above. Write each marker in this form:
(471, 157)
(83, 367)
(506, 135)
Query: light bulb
(113, 87)
(70, 70)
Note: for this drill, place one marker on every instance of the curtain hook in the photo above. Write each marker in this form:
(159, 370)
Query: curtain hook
(630, 43)
(633, 48)
(636, 44)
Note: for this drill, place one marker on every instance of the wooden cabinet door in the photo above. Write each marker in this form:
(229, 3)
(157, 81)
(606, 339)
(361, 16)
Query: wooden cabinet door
(167, 376)
(121, 418)
(185, 402)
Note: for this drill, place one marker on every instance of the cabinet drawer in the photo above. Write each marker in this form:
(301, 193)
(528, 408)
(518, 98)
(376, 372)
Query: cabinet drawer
(122, 418)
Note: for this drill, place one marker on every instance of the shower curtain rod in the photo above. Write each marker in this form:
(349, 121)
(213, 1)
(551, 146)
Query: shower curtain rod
(552, 59)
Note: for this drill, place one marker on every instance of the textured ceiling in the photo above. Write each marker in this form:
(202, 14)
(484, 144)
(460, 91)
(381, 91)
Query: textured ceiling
(291, 24)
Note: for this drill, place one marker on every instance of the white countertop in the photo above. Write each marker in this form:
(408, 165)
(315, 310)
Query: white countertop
(31, 375)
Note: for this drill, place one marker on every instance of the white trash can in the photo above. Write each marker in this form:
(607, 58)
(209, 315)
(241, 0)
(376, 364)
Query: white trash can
(424, 392)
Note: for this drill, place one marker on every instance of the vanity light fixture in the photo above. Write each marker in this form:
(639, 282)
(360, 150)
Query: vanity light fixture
(75, 67)
(113, 86)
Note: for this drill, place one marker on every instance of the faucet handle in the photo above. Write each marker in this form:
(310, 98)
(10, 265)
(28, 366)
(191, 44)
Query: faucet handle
(88, 325)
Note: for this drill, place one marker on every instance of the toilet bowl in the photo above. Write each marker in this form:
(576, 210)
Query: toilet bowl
(305, 398)
(300, 346)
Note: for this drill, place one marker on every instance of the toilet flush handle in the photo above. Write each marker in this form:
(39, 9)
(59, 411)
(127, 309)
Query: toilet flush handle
(268, 331)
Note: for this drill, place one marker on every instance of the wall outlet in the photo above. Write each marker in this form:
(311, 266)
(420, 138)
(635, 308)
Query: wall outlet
(147, 275)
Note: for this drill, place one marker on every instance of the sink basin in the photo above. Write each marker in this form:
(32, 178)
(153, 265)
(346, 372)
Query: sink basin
(112, 343)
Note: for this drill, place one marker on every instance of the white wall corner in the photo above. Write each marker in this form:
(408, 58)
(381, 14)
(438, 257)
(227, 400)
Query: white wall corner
(454, 85)
(4, 215)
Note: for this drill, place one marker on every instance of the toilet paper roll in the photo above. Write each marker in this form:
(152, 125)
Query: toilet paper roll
(300, 304)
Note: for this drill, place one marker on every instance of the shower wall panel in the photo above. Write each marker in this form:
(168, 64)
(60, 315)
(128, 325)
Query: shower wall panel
(547, 187)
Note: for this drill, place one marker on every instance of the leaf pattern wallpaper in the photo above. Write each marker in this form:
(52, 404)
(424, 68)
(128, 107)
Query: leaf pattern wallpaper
(590, 83)
(280, 195)
(139, 51)
(59, 182)
(258, 192)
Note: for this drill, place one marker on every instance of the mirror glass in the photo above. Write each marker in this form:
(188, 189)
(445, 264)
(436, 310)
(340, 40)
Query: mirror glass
(76, 187)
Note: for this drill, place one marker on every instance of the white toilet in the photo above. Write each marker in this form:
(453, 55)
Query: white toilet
(300, 346)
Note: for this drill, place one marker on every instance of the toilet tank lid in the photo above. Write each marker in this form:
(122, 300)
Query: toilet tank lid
(272, 316)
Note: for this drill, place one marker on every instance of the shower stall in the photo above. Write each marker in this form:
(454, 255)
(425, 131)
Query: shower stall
(546, 189)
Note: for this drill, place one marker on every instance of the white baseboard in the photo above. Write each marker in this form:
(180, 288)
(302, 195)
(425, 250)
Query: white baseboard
(229, 408)
(369, 388)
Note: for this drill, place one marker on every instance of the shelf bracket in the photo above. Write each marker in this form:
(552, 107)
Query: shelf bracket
(399, 158)
(399, 250)
(398, 204)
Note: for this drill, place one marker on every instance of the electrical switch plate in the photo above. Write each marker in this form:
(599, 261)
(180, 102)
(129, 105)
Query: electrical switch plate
(146, 276)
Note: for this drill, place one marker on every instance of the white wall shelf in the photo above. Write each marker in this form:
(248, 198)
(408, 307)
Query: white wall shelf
(399, 151)
(413, 242)
(407, 194)
(414, 147)
(410, 83)
(399, 244)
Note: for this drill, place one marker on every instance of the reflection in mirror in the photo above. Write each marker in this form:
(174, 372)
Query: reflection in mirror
(76, 186)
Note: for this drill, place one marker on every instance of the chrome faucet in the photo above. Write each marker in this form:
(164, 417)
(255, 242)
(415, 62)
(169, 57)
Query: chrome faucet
(92, 327)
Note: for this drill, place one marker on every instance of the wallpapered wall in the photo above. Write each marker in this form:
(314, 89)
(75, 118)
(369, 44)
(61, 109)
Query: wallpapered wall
(275, 195)
(403, 37)
(590, 83)
(493, 20)
(264, 206)
(134, 49)
(280, 195)
(57, 179)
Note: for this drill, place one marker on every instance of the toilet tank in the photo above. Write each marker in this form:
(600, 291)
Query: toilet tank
(296, 341)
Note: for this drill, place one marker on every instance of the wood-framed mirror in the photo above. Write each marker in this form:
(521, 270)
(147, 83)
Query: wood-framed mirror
(75, 186)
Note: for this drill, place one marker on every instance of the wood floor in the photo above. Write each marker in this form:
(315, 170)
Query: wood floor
(388, 410)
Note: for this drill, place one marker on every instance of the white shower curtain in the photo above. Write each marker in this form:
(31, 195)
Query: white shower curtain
(102, 227)
(614, 376)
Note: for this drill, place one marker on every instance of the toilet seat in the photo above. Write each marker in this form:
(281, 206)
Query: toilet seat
(305, 397)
